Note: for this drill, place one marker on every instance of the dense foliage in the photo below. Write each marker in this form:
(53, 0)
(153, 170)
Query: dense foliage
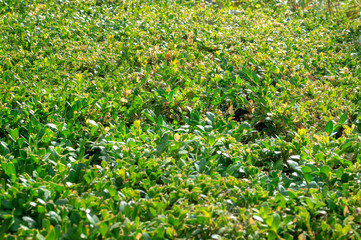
(154, 119)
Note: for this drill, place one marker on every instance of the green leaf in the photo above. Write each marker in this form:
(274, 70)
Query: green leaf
(14, 133)
(122, 206)
(308, 177)
(343, 118)
(345, 178)
(293, 81)
(162, 144)
(271, 236)
(340, 171)
(52, 234)
(54, 153)
(93, 219)
(276, 222)
(210, 116)
(280, 199)
(329, 127)
(4, 145)
(5, 224)
(145, 236)
(54, 218)
(294, 165)
(326, 170)
(306, 169)
(10, 170)
(150, 115)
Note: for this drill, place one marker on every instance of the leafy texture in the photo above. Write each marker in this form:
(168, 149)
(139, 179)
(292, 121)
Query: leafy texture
(155, 119)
